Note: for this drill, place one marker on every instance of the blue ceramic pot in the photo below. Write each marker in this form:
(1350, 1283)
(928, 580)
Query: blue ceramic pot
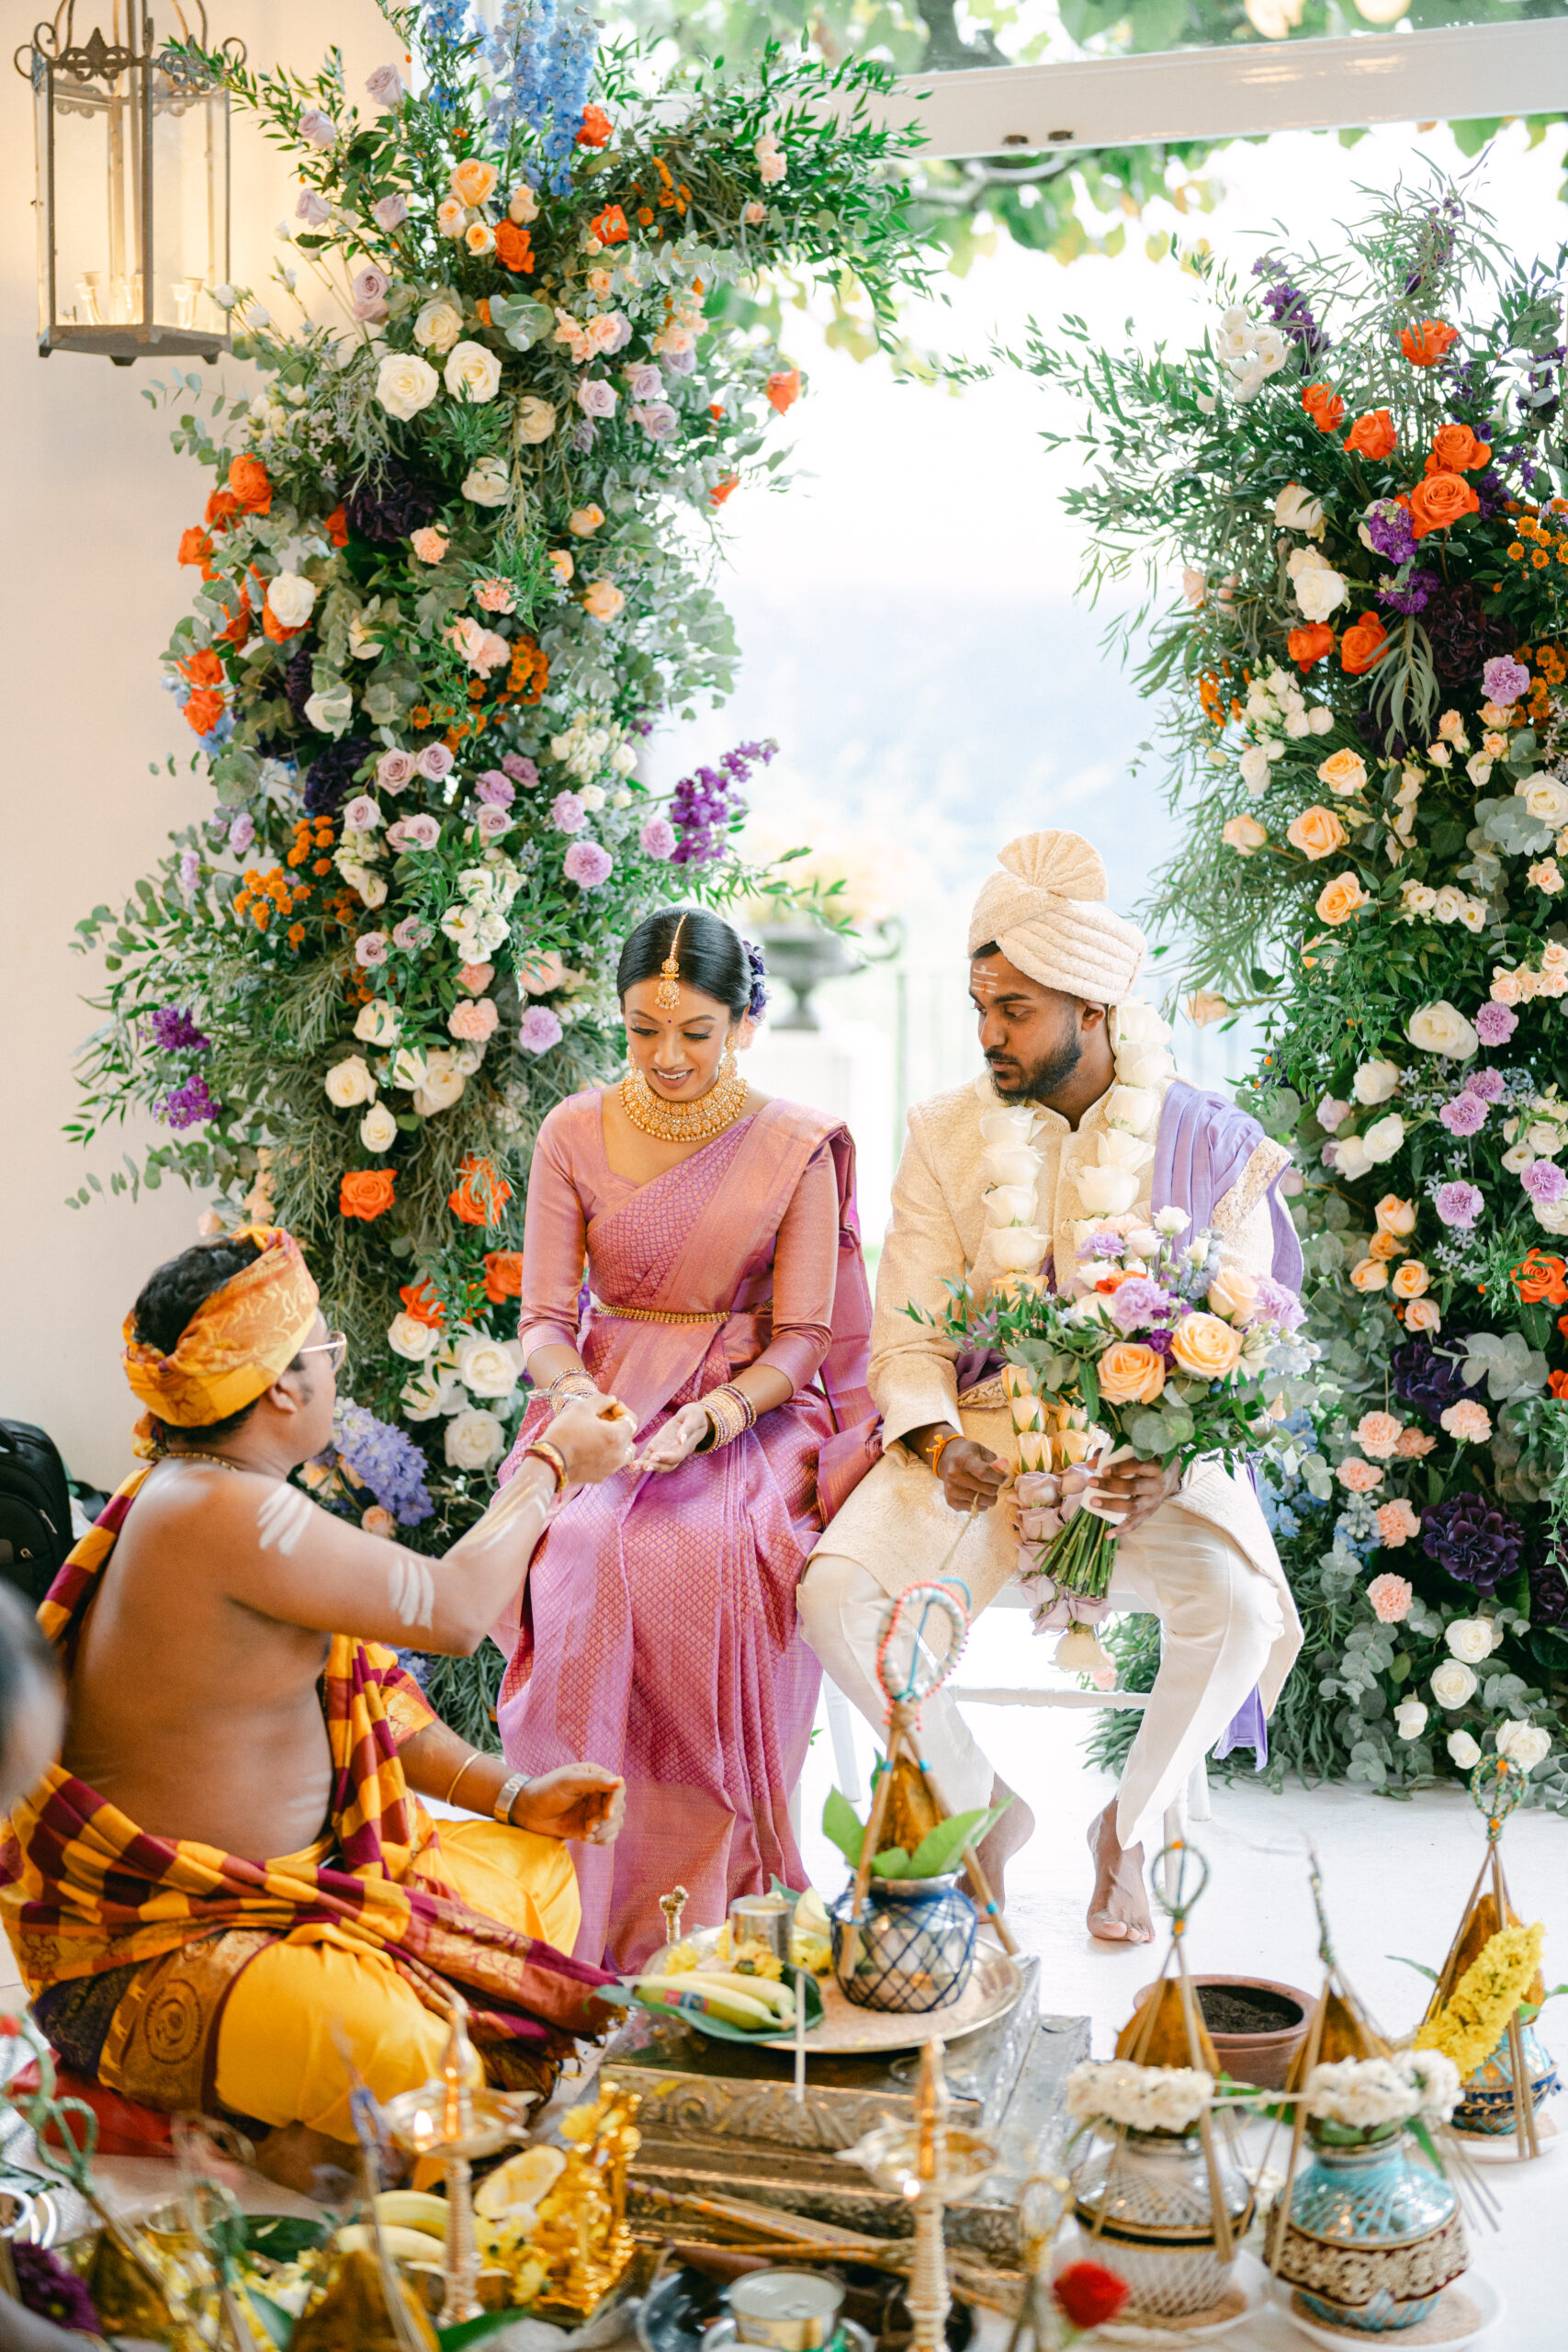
(1486, 2102)
(916, 1945)
(1373, 2237)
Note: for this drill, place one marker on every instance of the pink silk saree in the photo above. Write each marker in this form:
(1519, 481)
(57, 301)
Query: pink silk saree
(658, 1631)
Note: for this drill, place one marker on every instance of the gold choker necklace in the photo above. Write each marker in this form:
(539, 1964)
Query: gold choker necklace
(697, 1121)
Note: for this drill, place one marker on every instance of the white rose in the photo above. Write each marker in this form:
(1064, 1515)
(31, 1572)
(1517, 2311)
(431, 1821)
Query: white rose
(1013, 1123)
(1552, 1215)
(331, 711)
(290, 598)
(1545, 799)
(472, 373)
(1134, 1107)
(1107, 1191)
(1525, 1745)
(1452, 1683)
(1319, 588)
(1441, 1028)
(435, 1390)
(1019, 1248)
(1351, 1158)
(1411, 1717)
(486, 1366)
(1255, 768)
(348, 1083)
(1117, 1148)
(1171, 1221)
(1295, 510)
(1375, 1081)
(441, 1085)
(437, 326)
(378, 1128)
(1143, 1067)
(1009, 1204)
(405, 384)
(474, 1439)
(411, 1339)
(1014, 1164)
(1470, 1638)
(1464, 1750)
(1138, 1024)
(533, 419)
(407, 1069)
(1383, 1139)
(487, 483)
(1543, 1138)
(377, 1024)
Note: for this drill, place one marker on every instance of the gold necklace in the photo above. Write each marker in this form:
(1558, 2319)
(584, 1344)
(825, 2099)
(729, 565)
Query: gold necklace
(193, 1453)
(697, 1121)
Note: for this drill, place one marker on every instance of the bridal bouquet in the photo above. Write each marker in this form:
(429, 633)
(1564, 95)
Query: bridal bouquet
(1152, 1350)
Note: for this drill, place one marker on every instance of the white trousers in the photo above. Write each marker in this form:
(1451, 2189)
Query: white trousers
(1219, 1618)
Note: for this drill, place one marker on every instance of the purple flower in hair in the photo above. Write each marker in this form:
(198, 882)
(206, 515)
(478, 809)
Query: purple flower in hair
(758, 963)
(1489, 1084)
(1544, 1181)
(1496, 1023)
(1459, 1204)
(1465, 1115)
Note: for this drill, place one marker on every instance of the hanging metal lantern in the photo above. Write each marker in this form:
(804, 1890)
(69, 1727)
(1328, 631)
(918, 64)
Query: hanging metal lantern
(132, 145)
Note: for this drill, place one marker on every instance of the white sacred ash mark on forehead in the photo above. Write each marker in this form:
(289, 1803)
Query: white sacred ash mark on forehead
(283, 1519)
(413, 1588)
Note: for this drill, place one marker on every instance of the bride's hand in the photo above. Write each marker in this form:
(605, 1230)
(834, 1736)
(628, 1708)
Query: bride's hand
(678, 1440)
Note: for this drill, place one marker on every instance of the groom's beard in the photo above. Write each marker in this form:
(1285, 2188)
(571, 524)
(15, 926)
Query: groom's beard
(1038, 1083)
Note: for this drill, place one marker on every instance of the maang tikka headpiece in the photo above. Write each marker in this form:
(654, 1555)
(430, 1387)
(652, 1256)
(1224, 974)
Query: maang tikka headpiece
(667, 995)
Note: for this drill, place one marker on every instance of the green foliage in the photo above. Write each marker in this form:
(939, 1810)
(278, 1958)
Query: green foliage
(937, 1853)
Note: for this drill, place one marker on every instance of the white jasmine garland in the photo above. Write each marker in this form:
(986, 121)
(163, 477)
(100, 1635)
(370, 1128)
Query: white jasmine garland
(1361, 2093)
(1144, 2098)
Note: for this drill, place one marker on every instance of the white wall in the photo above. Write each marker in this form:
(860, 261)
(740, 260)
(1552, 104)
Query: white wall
(93, 502)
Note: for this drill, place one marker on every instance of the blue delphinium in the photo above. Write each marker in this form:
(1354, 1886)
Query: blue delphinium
(390, 1463)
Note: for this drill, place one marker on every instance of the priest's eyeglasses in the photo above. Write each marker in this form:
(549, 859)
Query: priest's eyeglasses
(335, 1346)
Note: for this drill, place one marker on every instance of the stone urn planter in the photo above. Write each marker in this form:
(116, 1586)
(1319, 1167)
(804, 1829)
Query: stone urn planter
(1255, 2024)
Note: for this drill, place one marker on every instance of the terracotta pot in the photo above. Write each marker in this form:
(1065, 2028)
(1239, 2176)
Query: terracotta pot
(1261, 2058)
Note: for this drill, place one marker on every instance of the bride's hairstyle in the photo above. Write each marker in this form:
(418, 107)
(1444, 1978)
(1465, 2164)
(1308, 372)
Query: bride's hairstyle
(711, 957)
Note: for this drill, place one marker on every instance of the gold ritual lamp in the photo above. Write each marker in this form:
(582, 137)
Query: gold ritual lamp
(447, 2119)
(932, 2163)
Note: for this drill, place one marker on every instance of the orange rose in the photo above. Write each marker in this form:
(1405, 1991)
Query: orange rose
(503, 1276)
(1410, 1280)
(1558, 1383)
(366, 1193)
(597, 128)
(1455, 449)
(422, 1305)
(1426, 345)
(336, 526)
(1541, 1281)
(219, 509)
(1341, 899)
(1324, 407)
(1439, 501)
(783, 388)
(1316, 833)
(1370, 1273)
(1395, 1215)
(203, 669)
(1308, 645)
(272, 626)
(481, 1195)
(1362, 646)
(513, 247)
(1386, 1244)
(1131, 1374)
(1372, 435)
(249, 481)
(725, 487)
(1203, 1346)
(611, 226)
(195, 547)
(204, 709)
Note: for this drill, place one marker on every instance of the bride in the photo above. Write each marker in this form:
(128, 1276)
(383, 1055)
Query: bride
(727, 1308)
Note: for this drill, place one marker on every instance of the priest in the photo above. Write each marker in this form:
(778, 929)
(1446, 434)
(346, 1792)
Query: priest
(1051, 971)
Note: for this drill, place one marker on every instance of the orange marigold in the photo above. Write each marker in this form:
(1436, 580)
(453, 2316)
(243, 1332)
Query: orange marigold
(483, 1194)
(366, 1193)
(1372, 435)
(1362, 645)
(1324, 407)
(1426, 345)
(1310, 644)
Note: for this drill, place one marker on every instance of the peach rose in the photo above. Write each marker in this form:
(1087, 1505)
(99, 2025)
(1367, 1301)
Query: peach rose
(1422, 1315)
(1441, 499)
(1359, 1477)
(1131, 1374)
(1203, 1346)
(1386, 1244)
(1395, 1215)
(1368, 1273)
(1316, 833)
(602, 600)
(1339, 900)
(1343, 771)
(1244, 834)
(1411, 1279)
(1234, 1294)
(473, 181)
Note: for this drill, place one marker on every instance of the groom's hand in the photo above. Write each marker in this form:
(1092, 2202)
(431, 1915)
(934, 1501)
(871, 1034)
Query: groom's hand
(970, 1477)
(1136, 1488)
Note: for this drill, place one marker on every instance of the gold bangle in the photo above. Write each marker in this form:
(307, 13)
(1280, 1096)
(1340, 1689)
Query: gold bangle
(471, 1758)
(572, 1384)
(553, 1459)
(730, 1414)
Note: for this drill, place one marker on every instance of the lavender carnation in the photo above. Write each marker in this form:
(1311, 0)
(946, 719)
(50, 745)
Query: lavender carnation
(1488, 1085)
(1276, 1305)
(1544, 1180)
(386, 1461)
(587, 865)
(1503, 679)
(1471, 1540)
(1464, 1116)
(1459, 1204)
(1139, 1301)
(538, 1030)
(1496, 1023)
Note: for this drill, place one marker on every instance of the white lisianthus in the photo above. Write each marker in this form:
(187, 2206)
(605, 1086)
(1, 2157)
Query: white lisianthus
(1410, 1716)
(1254, 766)
(432, 1392)
(474, 1439)
(1171, 1221)
(1471, 1639)
(1375, 1081)
(1296, 510)
(437, 325)
(1009, 1204)
(331, 711)
(377, 1024)
(1144, 2098)
(1441, 1028)
(290, 599)
(472, 373)
(441, 1085)
(1464, 1751)
(405, 383)
(486, 1366)
(411, 1339)
(488, 482)
(1525, 1745)
(1383, 1139)
(378, 1128)
(349, 1082)
(1452, 1683)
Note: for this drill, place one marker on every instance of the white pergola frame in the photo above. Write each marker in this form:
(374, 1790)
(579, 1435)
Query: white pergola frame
(1241, 91)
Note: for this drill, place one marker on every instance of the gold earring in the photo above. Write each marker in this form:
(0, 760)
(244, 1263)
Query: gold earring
(727, 1068)
(667, 995)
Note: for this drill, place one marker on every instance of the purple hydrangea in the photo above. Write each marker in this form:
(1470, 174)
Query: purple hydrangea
(1503, 679)
(1496, 1023)
(1489, 1085)
(1392, 531)
(1465, 1115)
(175, 1032)
(333, 773)
(1544, 1180)
(1139, 1301)
(386, 1461)
(1549, 1589)
(1422, 1377)
(190, 1104)
(1471, 1540)
(1459, 1203)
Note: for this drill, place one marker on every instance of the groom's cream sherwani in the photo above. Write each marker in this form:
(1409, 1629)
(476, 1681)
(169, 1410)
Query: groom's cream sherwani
(1206, 1563)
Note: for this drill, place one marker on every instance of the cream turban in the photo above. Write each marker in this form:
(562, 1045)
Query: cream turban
(1045, 908)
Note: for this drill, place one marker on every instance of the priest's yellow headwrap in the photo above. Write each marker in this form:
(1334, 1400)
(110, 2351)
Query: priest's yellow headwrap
(1045, 908)
(236, 1343)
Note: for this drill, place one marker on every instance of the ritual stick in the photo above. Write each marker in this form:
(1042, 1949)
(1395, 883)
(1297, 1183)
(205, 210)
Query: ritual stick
(977, 1878)
(878, 1814)
(800, 2037)
(1523, 2101)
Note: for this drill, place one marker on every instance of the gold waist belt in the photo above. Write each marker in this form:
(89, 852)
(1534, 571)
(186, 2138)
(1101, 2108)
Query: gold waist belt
(658, 1314)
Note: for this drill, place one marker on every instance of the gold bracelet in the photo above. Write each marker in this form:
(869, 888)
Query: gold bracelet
(471, 1758)
(572, 1384)
(553, 1459)
(730, 1414)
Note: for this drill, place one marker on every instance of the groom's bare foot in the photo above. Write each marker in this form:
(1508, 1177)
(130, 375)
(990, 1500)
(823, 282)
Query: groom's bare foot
(1119, 1910)
(1015, 1828)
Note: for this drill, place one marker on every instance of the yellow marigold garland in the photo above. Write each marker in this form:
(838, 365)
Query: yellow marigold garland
(1473, 2021)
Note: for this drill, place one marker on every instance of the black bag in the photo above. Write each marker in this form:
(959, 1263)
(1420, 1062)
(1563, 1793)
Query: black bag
(35, 1509)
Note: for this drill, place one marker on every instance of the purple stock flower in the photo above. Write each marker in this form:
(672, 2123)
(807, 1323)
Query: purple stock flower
(1139, 1301)
(704, 806)
(1504, 679)
(1496, 1023)
(1544, 1181)
(1414, 597)
(1489, 1084)
(386, 1461)
(1459, 1204)
(1287, 306)
(1465, 1115)
(175, 1032)
(538, 1030)
(587, 865)
(1469, 1538)
(1160, 1341)
(190, 1104)
(1392, 531)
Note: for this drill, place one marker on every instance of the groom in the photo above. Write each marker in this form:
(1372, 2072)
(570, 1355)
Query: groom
(1049, 964)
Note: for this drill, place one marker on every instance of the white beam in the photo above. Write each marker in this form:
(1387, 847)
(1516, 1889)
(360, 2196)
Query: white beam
(1464, 71)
